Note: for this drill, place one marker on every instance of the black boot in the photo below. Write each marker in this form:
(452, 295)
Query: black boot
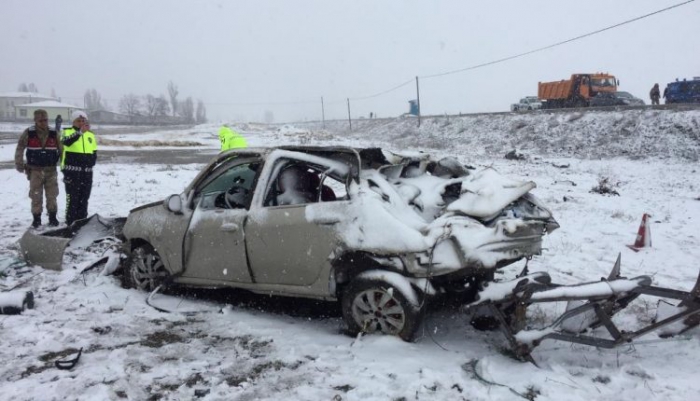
(53, 221)
(37, 220)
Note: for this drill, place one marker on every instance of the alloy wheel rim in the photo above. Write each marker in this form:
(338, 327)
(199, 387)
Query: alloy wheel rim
(378, 310)
(149, 271)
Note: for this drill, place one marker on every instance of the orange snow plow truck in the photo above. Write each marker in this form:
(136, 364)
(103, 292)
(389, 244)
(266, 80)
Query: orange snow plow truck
(575, 92)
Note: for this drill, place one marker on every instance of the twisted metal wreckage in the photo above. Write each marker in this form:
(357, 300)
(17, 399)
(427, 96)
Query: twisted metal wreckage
(590, 305)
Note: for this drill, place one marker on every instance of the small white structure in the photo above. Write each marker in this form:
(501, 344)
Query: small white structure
(9, 100)
(52, 107)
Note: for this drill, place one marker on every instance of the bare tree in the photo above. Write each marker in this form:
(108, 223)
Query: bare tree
(186, 110)
(23, 87)
(130, 105)
(201, 115)
(53, 93)
(173, 92)
(156, 106)
(150, 106)
(162, 108)
(93, 100)
(32, 88)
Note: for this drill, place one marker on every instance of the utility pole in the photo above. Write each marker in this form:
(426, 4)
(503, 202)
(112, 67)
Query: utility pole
(418, 98)
(323, 113)
(349, 119)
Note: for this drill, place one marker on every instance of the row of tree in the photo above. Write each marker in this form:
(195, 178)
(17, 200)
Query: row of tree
(152, 108)
(160, 107)
(23, 87)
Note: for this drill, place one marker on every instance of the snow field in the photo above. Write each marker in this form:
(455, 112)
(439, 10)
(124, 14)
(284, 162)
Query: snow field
(259, 352)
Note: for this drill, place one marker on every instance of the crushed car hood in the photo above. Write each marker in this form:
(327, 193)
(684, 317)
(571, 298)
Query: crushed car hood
(416, 215)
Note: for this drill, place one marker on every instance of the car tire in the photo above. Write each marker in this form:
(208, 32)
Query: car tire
(145, 270)
(373, 305)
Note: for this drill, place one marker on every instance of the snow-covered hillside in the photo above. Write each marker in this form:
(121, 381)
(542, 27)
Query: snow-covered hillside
(245, 347)
(638, 133)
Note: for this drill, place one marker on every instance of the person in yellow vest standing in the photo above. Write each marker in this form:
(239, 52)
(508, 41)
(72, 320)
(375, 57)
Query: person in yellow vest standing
(231, 139)
(43, 150)
(78, 160)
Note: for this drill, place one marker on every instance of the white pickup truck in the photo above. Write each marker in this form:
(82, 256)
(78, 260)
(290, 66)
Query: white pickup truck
(527, 103)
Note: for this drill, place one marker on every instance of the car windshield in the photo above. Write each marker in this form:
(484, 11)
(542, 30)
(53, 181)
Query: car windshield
(625, 95)
(240, 175)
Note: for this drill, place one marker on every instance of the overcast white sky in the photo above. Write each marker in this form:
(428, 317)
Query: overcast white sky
(232, 54)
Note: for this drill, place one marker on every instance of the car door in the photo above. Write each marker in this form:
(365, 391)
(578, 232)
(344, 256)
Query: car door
(215, 248)
(284, 247)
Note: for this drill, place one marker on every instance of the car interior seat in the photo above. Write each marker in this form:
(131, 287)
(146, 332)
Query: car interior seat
(297, 184)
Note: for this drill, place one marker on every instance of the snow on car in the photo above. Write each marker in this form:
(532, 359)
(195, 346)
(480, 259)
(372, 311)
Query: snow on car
(376, 230)
(527, 103)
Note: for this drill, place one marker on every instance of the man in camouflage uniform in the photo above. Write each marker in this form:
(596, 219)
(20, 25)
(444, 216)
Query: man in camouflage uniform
(43, 149)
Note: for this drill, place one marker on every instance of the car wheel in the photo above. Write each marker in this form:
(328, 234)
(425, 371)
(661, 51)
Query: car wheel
(146, 270)
(372, 305)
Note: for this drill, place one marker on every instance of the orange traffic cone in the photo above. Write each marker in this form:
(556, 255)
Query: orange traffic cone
(643, 235)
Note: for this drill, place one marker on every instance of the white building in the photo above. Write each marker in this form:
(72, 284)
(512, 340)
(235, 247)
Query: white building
(53, 108)
(9, 100)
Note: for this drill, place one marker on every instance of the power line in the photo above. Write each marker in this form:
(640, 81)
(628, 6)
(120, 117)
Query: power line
(558, 43)
(407, 82)
(525, 53)
(383, 92)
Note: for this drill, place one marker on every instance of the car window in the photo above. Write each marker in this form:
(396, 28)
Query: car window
(338, 188)
(300, 183)
(231, 189)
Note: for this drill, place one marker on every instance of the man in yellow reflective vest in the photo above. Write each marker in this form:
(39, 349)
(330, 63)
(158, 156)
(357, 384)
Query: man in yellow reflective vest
(231, 139)
(77, 162)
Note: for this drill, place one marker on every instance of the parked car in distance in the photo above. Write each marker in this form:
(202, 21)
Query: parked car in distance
(618, 98)
(683, 91)
(527, 103)
(377, 231)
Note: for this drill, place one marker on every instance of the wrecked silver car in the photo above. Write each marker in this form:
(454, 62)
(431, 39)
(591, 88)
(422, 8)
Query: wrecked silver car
(375, 230)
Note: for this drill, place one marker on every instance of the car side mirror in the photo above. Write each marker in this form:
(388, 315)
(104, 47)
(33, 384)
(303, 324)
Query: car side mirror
(173, 203)
(618, 82)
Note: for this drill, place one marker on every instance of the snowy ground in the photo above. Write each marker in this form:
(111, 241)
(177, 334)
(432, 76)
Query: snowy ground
(262, 348)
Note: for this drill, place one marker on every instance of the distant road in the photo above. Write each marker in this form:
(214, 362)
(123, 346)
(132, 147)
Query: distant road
(136, 156)
(143, 156)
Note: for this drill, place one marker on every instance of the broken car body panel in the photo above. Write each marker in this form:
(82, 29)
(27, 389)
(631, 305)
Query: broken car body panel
(46, 248)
